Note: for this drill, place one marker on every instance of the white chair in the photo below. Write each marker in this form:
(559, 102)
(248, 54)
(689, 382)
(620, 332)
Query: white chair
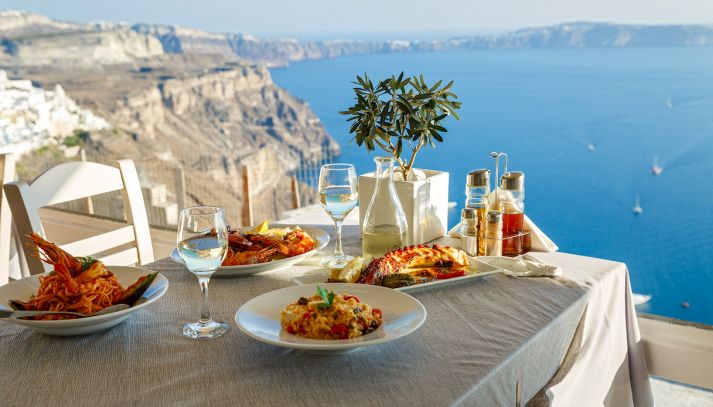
(10, 250)
(75, 180)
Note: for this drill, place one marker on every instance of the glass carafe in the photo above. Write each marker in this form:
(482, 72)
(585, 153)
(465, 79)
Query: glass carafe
(384, 228)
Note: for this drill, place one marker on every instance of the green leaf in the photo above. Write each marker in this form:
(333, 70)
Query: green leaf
(399, 147)
(86, 262)
(434, 87)
(437, 137)
(327, 298)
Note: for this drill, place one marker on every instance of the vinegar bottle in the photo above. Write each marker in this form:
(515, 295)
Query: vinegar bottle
(512, 203)
(384, 227)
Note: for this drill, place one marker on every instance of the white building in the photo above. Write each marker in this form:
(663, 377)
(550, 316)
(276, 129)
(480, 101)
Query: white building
(31, 117)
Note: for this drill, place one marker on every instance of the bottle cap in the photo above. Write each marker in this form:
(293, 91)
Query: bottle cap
(478, 178)
(495, 216)
(512, 181)
(468, 213)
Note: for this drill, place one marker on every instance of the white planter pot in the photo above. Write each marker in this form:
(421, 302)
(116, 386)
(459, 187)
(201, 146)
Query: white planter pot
(425, 203)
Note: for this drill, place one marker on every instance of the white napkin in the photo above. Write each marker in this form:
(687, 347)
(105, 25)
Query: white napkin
(540, 241)
(525, 266)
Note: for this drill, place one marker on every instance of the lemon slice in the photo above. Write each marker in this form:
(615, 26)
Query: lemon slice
(261, 228)
(351, 272)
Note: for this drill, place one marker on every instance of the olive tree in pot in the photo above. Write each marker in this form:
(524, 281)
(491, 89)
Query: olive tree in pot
(401, 116)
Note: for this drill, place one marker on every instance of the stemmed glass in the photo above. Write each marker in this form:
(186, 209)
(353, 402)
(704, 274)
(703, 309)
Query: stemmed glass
(202, 242)
(338, 196)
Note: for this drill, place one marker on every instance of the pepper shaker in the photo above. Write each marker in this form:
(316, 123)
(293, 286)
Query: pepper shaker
(469, 231)
(494, 234)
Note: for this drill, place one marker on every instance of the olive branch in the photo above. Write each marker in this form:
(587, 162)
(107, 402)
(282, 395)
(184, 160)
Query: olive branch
(400, 112)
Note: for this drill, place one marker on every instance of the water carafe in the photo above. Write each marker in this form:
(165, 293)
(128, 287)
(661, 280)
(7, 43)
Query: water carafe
(385, 227)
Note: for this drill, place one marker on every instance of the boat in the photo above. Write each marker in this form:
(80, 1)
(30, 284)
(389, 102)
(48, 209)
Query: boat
(668, 103)
(639, 299)
(591, 147)
(656, 169)
(638, 210)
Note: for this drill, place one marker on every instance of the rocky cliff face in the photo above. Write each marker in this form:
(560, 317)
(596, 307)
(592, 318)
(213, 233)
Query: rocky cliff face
(198, 106)
(21, 23)
(120, 45)
(209, 121)
(592, 35)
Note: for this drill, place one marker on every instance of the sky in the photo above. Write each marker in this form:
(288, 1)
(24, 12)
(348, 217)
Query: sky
(370, 18)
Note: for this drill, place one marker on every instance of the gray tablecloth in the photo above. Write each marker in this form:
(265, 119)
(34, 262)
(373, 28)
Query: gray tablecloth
(481, 339)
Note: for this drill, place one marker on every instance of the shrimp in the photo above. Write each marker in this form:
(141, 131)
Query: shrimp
(50, 253)
(250, 257)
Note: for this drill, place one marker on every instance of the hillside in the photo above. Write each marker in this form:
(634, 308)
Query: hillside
(206, 113)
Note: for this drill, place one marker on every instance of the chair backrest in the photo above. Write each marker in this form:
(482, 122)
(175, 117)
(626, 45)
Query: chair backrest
(80, 179)
(7, 174)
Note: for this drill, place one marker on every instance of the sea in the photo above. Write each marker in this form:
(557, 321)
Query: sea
(584, 125)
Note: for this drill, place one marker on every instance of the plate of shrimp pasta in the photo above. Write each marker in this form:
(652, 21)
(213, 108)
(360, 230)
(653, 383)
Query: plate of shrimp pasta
(267, 247)
(79, 284)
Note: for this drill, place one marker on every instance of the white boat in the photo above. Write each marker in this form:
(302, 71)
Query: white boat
(656, 169)
(668, 103)
(639, 299)
(638, 210)
(591, 147)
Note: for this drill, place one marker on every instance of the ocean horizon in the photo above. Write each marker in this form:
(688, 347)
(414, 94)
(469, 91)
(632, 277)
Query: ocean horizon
(584, 125)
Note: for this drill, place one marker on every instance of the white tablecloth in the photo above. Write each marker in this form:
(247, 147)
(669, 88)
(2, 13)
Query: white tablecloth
(482, 340)
(605, 364)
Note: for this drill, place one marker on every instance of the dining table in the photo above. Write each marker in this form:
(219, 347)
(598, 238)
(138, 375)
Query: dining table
(490, 341)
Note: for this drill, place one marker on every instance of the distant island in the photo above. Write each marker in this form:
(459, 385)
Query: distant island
(21, 32)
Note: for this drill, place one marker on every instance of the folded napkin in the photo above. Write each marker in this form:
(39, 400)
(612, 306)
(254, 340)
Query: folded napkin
(525, 266)
(540, 241)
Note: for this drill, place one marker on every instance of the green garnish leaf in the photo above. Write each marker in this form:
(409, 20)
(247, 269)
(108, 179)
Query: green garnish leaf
(327, 298)
(86, 262)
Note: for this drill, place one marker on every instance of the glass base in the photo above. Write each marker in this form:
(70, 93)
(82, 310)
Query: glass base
(336, 261)
(207, 330)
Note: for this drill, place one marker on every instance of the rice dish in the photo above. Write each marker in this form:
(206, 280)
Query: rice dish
(326, 315)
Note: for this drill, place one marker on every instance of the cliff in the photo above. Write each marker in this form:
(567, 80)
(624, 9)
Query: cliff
(15, 23)
(593, 35)
(571, 35)
(120, 45)
(210, 121)
(33, 39)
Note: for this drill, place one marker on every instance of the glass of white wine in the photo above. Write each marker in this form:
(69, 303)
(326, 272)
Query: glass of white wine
(338, 196)
(202, 242)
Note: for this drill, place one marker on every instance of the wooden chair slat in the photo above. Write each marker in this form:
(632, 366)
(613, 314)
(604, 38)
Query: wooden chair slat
(128, 256)
(100, 243)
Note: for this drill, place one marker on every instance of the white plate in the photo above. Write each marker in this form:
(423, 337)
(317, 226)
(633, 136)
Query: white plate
(321, 239)
(25, 288)
(260, 317)
(477, 269)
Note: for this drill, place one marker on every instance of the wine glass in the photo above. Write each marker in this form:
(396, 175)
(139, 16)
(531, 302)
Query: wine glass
(338, 196)
(202, 242)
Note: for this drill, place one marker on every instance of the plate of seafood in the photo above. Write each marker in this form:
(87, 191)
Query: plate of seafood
(406, 269)
(330, 318)
(83, 285)
(267, 248)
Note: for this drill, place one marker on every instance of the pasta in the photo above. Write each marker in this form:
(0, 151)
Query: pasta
(78, 284)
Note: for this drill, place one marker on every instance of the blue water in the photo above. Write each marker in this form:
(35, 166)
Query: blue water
(543, 108)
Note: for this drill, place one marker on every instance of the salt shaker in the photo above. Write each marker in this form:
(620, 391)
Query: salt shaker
(469, 231)
(494, 234)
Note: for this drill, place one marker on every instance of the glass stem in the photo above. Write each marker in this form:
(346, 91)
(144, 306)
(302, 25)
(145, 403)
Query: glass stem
(338, 244)
(205, 311)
